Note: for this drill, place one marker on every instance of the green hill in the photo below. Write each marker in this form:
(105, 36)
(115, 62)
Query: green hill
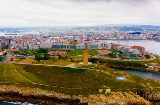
(84, 80)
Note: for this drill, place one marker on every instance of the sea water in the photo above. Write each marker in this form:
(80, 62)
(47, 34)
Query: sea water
(150, 46)
(17, 103)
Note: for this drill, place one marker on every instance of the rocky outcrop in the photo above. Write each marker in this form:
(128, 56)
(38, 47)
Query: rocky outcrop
(115, 98)
(35, 95)
(150, 96)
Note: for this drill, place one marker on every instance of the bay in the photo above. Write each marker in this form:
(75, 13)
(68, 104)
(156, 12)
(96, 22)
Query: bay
(143, 74)
(150, 46)
(16, 103)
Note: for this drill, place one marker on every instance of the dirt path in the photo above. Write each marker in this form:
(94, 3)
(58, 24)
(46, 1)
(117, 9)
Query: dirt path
(39, 83)
(70, 65)
(22, 75)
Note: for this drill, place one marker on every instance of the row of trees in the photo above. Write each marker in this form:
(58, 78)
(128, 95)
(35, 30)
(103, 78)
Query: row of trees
(117, 63)
(42, 54)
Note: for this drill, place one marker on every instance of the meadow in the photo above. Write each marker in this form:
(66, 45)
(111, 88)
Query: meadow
(84, 80)
(80, 52)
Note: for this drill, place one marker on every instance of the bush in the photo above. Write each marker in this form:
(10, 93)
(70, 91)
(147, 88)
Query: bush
(46, 56)
(111, 55)
(39, 57)
(147, 56)
(117, 63)
(43, 50)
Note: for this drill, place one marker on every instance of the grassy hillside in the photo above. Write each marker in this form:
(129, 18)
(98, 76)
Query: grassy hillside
(83, 80)
(14, 74)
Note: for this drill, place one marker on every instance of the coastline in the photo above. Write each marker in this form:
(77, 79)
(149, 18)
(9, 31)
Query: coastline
(107, 63)
(45, 97)
(43, 100)
(36, 95)
(136, 68)
(150, 45)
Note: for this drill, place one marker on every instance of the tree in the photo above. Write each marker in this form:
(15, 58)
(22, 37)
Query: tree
(46, 56)
(60, 57)
(5, 47)
(147, 56)
(120, 52)
(39, 57)
(68, 51)
(43, 50)
(112, 55)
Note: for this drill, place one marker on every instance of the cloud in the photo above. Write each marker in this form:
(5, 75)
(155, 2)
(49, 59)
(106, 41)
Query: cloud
(130, 2)
(109, 0)
(78, 12)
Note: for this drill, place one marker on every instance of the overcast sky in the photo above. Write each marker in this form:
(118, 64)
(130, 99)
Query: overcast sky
(78, 12)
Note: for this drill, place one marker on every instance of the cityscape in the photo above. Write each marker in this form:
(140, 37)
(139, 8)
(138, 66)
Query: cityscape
(25, 39)
(66, 48)
(79, 52)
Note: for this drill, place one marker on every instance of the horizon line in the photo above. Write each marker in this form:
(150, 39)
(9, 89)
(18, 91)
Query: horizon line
(69, 26)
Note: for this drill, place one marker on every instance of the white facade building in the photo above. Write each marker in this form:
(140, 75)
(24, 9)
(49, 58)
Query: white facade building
(136, 52)
(108, 45)
(46, 45)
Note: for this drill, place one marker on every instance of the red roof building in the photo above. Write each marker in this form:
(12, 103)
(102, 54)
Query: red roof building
(140, 48)
(115, 46)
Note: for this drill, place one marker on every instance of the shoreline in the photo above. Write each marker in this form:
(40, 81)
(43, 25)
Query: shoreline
(41, 99)
(45, 97)
(36, 96)
(139, 69)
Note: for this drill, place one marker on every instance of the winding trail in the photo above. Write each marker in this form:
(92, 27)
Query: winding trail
(22, 75)
(39, 83)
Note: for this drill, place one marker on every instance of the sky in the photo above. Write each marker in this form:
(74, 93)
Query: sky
(78, 12)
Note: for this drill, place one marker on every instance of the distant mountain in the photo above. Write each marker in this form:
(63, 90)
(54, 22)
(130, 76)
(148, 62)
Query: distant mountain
(124, 27)
(139, 27)
(128, 27)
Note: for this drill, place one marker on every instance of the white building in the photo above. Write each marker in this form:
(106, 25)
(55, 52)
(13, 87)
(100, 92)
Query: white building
(31, 46)
(36, 47)
(99, 45)
(136, 52)
(80, 46)
(108, 45)
(46, 45)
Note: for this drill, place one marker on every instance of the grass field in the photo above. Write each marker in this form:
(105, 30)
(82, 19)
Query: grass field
(83, 80)
(57, 62)
(17, 59)
(29, 52)
(80, 52)
(10, 75)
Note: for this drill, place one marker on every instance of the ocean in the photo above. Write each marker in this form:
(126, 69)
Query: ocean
(17, 103)
(150, 46)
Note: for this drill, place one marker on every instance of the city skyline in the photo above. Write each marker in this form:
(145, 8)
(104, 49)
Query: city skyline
(78, 12)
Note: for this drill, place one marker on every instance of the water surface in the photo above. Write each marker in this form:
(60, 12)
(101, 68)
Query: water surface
(143, 74)
(151, 46)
